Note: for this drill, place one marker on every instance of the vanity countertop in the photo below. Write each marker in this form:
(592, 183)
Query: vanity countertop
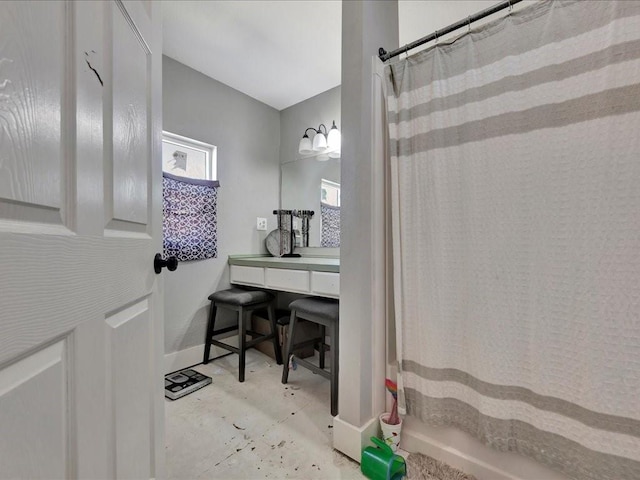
(316, 264)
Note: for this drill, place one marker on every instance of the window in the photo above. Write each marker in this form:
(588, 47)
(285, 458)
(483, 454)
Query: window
(190, 193)
(185, 157)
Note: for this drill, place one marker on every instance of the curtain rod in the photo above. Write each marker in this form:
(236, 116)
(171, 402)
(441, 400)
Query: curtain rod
(384, 55)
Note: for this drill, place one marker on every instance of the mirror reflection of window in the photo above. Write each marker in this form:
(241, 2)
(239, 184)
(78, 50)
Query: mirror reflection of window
(330, 193)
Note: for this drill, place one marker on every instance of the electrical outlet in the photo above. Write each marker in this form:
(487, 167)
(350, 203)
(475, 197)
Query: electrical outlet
(261, 223)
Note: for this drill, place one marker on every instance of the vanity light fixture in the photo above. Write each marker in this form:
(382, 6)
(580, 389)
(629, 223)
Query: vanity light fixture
(323, 143)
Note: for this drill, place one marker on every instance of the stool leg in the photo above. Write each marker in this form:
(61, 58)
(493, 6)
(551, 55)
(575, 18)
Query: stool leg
(242, 343)
(289, 350)
(334, 368)
(274, 331)
(322, 346)
(210, 325)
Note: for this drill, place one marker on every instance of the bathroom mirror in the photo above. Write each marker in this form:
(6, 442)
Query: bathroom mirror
(301, 189)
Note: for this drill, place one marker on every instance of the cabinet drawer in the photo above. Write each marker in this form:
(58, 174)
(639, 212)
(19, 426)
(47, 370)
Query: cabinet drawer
(290, 280)
(325, 283)
(248, 275)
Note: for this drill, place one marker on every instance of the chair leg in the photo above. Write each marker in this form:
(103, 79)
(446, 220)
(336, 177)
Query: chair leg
(322, 346)
(289, 350)
(274, 331)
(334, 368)
(210, 329)
(242, 319)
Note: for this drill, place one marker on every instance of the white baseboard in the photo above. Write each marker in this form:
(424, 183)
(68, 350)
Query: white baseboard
(451, 446)
(414, 441)
(351, 440)
(466, 453)
(193, 355)
(183, 359)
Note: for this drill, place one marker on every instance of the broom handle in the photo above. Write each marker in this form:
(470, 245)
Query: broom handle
(394, 419)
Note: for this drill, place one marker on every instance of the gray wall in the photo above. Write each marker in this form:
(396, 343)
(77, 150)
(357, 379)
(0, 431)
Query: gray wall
(247, 134)
(301, 175)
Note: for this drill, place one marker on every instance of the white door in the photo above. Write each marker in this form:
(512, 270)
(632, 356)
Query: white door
(80, 312)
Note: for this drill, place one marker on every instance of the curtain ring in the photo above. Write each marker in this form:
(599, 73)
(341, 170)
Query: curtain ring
(510, 7)
(406, 51)
(436, 36)
(469, 22)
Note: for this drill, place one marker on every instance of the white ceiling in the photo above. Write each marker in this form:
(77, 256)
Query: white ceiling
(278, 52)
(283, 52)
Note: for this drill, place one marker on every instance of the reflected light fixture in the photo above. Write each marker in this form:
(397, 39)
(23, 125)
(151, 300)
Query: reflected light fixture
(325, 145)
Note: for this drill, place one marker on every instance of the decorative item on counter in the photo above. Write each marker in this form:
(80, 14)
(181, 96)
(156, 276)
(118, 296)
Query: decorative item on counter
(272, 243)
(305, 216)
(286, 233)
(391, 423)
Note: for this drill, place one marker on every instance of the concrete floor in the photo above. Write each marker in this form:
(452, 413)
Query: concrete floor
(256, 429)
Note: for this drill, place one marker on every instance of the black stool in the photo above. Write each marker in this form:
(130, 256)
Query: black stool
(324, 312)
(244, 302)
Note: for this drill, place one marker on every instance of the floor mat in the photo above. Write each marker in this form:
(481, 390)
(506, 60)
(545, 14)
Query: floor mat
(423, 467)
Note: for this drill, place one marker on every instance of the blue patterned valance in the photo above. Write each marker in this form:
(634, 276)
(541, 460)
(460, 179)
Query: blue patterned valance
(189, 210)
(330, 218)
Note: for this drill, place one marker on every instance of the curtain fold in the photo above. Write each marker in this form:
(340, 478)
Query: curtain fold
(189, 223)
(515, 216)
(330, 228)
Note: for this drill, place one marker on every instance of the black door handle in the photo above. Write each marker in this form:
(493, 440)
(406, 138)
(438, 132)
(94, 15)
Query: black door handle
(171, 263)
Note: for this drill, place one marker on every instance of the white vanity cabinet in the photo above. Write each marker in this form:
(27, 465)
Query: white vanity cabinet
(307, 275)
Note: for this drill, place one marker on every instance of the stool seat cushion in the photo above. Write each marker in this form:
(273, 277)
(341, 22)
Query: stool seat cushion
(240, 296)
(326, 308)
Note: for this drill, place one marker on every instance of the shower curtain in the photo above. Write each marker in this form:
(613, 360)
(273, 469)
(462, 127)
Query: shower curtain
(515, 172)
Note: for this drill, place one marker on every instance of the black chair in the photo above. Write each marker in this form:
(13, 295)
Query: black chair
(244, 302)
(324, 312)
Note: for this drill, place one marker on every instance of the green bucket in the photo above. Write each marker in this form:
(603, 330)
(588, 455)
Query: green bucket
(381, 463)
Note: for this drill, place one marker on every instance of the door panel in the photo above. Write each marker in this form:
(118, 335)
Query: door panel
(32, 48)
(32, 58)
(80, 124)
(130, 129)
(33, 421)
(91, 79)
(132, 413)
